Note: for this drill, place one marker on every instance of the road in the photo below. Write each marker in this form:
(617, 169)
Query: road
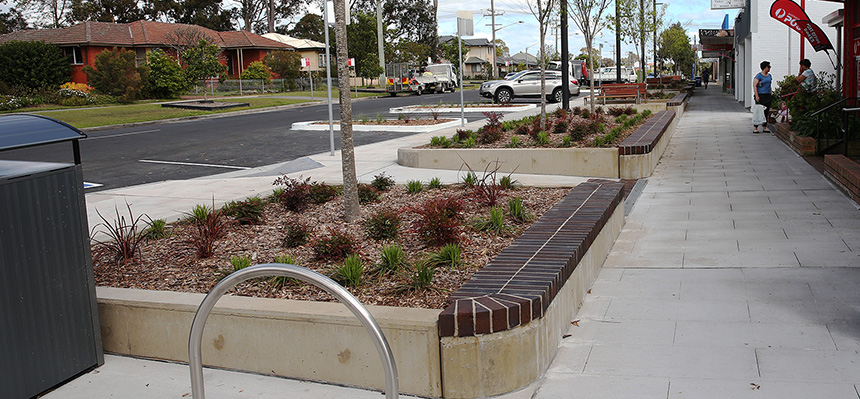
(187, 149)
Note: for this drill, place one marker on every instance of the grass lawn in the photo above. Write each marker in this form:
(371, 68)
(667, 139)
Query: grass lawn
(113, 115)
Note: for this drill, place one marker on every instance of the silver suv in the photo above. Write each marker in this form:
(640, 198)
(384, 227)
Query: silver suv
(527, 84)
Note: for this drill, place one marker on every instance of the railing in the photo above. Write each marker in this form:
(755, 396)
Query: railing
(195, 361)
(845, 130)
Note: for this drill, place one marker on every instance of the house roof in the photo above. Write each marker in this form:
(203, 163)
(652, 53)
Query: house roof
(474, 42)
(475, 60)
(299, 44)
(139, 33)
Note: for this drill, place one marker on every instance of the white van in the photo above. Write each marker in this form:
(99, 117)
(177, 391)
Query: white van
(608, 75)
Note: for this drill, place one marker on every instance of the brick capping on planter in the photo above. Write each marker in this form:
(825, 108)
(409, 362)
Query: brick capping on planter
(520, 283)
(803, 145)
(846, 173)
(644, 138)
(679, 99)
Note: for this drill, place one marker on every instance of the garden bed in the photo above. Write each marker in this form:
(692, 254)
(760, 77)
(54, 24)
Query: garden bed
(173, 264)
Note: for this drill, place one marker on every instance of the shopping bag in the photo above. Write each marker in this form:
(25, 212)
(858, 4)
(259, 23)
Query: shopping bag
(758, 115)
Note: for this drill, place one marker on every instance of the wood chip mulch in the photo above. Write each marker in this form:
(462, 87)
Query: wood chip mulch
(171, 263)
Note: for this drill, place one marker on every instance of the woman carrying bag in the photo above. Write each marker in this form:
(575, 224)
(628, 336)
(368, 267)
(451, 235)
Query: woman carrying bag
(763, 97)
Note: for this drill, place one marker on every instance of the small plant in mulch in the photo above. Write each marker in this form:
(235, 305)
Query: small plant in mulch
(249, 211)
(333, 247)
(278, 282)
(320, 193)
(292, 193)
(469, 179)
(350, 273)
(207, 226)
(542, 138)
(382, 182)
(124, 236)
(434, 183)
(391, 258)
(422, 277)
(492, 131)
(439, 221)
(495, 222)
(560, 126)
(367, 194)
(517, 210)
(463, 134)
(449, 255)
(296, 233)
(515, 142)
(157, 230)
(414, 186)
(565, 141)
(618, 111)
(382, 225)
(507, 183)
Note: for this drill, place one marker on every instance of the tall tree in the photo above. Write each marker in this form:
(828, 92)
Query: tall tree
(205, 13)
(675, 46)
(347, 154)
(45, 13)
(502, 49)
(11, 21)
(310, 27)
(407, 21)
(542, 10)
(638, 23)
(260, 15)
(361, 34)
(590, 16)
(120, 11)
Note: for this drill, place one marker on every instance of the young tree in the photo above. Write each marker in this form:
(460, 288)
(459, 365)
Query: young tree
(361, 34)
(166, 77)
(675, 46)
(590, 17)
(350, 181)
(502, 49)
(257, 71)
(638, 23)
(33, 65)
(201, 62)
(115, 73)
(285, 64)
(542, 10)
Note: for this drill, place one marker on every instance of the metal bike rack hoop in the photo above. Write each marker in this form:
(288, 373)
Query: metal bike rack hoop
(195, 361)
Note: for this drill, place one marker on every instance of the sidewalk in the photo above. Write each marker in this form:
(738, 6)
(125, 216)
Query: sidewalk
(735, 277)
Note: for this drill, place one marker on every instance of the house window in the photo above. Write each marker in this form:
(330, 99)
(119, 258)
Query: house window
(74, 55)
(139, 56)
(322, 63)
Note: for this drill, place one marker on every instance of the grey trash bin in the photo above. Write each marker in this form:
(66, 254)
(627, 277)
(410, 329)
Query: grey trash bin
(49, 329)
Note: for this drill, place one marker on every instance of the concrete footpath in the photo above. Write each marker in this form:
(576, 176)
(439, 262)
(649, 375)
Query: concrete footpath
(736, 276)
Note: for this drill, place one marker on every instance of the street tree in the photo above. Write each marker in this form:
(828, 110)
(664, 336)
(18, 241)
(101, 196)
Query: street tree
(543, 11)
(675, 46)
(502, 49)
(45, 13)
(361, 34)
(260, 15)
(310, 27)
(11, 21)
(406, 21)
(286, 64)
(201, 62)
(119, 11)
(350, 181)
(205, 13)
(639, 20)
(590, 16)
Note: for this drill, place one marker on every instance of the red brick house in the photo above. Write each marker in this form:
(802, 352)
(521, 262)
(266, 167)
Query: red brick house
(82, 42)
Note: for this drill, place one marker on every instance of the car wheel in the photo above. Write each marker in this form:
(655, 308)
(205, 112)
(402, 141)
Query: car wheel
(504, 95)
(418, 91)
(393, 93)
(556, 96)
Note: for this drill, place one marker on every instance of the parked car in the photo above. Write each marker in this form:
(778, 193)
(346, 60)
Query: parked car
(527, 84)
(608, 75)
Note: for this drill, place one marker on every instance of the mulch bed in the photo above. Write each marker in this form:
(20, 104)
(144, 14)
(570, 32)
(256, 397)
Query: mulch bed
(171, 263)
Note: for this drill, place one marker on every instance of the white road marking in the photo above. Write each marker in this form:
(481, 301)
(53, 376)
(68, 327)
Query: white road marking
(92, 185)
(123, 134)
(195, 164)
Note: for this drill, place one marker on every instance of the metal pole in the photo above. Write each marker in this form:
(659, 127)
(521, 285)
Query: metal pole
(565, 56)
(617, 42)
(493, 21)
(642, 38)
(195, 339)
(655, 37)
(328, 79)
(460, 53)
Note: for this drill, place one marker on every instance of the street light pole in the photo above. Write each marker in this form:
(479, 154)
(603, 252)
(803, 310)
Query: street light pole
(493, 25)
(493, 21)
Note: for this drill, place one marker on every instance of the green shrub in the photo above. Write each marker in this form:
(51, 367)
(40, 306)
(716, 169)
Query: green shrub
(542, 138)
(278, 282)
(349, 274)
(33, 65)
(422, 277)
(249, 211)
(286, 64)
(565, 141)
(448, 255)
(414, 187)
(382, 182)
(240, 262)
(166, 76)
(515, 142)
(391, 258)
(507, 183)
(470, 179)
(157, 230)
(257, 71)
(517, 210)
(435, 183)
(496, 221)
(320, 193)
(116, 74)
(382, 225)
(367, 194)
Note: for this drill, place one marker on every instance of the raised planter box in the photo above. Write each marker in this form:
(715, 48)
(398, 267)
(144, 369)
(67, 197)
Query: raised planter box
(424, 109)
(320, 126)
(591, 162)
(805, 146)
(845, 173)
(438, 355)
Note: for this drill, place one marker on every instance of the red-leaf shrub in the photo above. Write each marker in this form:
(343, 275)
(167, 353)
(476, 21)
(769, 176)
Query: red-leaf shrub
(293, 194)
(334, 247)
(439, 221)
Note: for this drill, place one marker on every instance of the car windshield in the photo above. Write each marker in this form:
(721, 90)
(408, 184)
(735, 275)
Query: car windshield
(516, 75)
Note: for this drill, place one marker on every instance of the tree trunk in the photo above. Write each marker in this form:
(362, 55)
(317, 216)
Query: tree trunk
(350, 182)
(542, 63)
(590, 73)
(270, 14)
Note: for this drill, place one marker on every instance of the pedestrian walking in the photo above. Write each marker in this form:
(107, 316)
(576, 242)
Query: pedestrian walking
(806, 76)
(706, 73)
(763, 96)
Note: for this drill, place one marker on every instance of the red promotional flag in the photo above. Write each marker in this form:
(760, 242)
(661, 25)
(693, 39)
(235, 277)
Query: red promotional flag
(789, 13)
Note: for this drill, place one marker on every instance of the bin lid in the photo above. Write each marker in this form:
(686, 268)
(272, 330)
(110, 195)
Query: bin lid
(27, 130)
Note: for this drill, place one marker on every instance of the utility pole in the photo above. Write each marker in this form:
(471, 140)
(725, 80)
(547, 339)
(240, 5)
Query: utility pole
(642, 37)
(617, 43)
(565, 55)
(492, 16)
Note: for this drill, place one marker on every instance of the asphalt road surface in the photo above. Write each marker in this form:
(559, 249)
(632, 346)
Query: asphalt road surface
(182, 150)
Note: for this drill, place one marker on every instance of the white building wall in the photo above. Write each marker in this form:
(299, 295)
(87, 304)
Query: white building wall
(773, 41)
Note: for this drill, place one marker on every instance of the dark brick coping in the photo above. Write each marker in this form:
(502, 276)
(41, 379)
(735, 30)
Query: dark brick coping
(679, 99)
(645, 138)
(519, 284)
